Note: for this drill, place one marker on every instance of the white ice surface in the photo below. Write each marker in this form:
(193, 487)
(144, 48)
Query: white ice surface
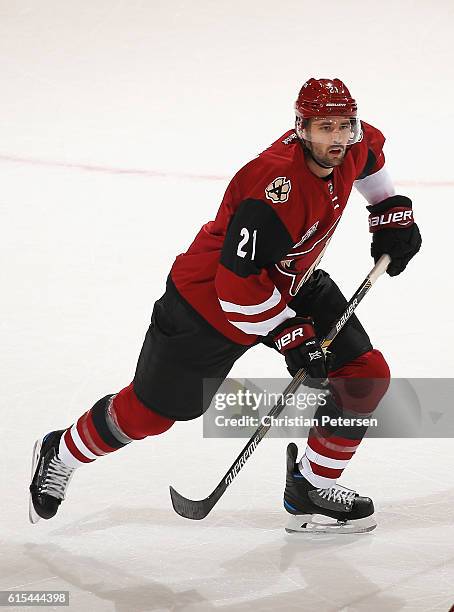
(116, 118)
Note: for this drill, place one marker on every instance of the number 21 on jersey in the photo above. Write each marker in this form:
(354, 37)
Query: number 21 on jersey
(245, 236)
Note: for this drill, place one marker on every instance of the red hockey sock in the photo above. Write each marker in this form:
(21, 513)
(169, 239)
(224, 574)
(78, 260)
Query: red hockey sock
(113, 422)
(358, 388)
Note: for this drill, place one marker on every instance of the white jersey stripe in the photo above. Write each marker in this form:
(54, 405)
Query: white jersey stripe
(272, 301)
(261, 328)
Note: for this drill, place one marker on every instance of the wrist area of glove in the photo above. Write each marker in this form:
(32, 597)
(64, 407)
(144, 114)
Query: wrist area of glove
(396, 212)
(292, 333)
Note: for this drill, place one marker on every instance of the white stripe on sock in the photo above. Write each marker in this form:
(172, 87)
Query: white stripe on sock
(336, 464)
(66, 456)
(86, 452)
(321, 482)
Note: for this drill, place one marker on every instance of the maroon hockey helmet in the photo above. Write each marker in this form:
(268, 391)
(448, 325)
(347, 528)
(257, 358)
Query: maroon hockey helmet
(325, 98)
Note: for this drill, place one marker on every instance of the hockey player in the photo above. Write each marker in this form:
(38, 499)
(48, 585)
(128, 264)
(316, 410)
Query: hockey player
(249, 277)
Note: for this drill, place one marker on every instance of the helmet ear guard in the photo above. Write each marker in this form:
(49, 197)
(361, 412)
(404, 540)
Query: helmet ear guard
(300, 126)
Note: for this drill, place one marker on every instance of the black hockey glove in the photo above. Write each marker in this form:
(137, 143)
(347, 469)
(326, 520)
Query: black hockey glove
(295, 338)
(394, 232)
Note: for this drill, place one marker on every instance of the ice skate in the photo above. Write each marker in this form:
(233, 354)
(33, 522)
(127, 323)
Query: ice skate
(50, 478)
(332, 510)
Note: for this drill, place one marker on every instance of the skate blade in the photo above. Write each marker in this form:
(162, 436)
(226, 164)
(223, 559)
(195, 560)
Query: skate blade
(308, 523)
(32, 514)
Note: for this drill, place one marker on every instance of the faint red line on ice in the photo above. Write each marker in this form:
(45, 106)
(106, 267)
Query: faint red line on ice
(110, 169)
(163, 174)
(409, 183)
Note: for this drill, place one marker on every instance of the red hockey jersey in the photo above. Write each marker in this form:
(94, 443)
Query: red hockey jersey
(271, 230)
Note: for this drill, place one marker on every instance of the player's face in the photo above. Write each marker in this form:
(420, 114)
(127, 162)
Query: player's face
(328, 139)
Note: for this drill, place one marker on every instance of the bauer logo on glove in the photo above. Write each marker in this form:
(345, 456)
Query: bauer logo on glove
(295, 338)
(394, 232)
(289, 337)
(396, 217)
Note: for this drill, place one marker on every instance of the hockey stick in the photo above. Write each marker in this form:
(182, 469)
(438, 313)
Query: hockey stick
(199, 509)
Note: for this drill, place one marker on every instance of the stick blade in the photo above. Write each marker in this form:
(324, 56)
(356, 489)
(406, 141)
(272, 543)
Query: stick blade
(188, 508)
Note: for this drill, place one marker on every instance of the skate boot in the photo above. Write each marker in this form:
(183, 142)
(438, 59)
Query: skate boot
(341, 510)
(50, 478)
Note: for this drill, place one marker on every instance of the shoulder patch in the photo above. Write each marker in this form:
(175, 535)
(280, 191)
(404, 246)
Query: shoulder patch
(293, 136)
(278, 190)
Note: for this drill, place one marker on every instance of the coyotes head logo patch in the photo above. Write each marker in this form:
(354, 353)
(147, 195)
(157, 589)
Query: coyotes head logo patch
(278, 190)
